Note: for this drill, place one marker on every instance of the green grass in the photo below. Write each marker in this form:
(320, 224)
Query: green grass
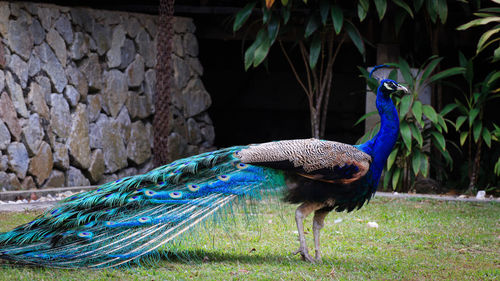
(416, 240)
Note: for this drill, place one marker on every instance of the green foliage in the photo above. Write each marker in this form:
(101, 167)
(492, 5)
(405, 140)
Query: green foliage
(421, 127)
(487, 16)
(324, 16)
(496, 136)
(473, 128)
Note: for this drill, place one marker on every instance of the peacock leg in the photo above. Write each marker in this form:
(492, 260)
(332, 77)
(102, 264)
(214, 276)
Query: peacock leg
(318, 223)
(300, 214)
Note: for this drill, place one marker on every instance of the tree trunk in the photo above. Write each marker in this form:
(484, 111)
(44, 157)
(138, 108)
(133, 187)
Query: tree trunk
(475, 168)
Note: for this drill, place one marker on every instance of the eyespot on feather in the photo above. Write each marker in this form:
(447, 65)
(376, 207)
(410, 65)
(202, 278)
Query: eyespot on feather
(241, 166)
(149, 193)
(193, 187)
(133, 198)
(85, 234)
(175, 194)
(223, 177)
(144, 219)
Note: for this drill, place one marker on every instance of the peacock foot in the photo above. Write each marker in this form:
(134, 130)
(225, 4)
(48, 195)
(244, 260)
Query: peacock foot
(305, 255)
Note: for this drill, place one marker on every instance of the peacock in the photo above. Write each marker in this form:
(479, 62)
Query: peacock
(139, 216)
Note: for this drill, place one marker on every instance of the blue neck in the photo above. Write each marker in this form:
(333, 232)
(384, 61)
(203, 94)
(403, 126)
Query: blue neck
(380, 146)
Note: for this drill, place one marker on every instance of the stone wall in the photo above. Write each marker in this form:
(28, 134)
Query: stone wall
(76, 95)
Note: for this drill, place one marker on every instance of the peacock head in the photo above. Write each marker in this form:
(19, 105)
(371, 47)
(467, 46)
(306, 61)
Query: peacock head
(387, 87)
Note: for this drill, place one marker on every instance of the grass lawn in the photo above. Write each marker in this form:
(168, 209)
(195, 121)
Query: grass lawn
(415, 240)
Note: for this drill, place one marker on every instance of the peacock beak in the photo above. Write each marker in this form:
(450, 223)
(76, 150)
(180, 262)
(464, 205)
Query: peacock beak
(402, 89)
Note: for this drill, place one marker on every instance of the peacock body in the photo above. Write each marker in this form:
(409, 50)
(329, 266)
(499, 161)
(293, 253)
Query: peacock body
(132, 217)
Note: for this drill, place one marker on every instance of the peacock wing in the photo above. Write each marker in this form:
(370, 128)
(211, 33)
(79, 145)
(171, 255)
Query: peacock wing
(132, 217)
(312, 158)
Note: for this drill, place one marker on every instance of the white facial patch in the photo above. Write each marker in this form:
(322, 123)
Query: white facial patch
(387, 86)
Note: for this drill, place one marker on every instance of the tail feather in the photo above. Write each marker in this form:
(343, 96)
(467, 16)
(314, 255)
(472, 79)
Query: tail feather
(131, 218)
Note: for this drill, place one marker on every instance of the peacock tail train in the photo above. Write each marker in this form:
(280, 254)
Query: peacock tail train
(132, 217)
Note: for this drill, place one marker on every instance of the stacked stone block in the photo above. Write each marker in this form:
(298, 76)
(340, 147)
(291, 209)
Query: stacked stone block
(77, 95)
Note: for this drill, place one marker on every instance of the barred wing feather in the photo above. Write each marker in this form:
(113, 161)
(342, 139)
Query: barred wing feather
(328, 161)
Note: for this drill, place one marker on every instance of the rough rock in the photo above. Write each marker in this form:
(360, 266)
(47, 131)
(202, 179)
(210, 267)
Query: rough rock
(18, 159)
(92, 71)
(138, 149)
(106, 134)
(4, 162)
(37, 31)
(181, 72)
(46, 86)
(102, 37)
(63, 25)
(2, 80)
(177, 122)
(208, 133)
(108, 178)
(115, 91)
(195, 66)
(127, 53)
(96, 169)
(95, 131)
(83, 18)
(28, 183)
(60, 156)
(177, 146)
(20, 38)
(146, 48)
(4, 18)
(127, 172)
(150, 134)
(4, 136)
(56, 179)
(78, 141)
(182, 25)
(195, 98)
(135, 72)
(41, 165)
(178, 48)
(9, 116)
(150, 87)
(56, 42)
(33, 134)
(60, 117)
(9, 181)
(20, 69)
(16, 92)
(123, 120)
(80, 46)
(114, 55)
(36, 97)
(191, 44)
(72, 95)
(93, 107)
(115, 154)
(34, 65)
(194, 133)
(133, 26)
(77, 79)
(74, 177)
(139, 106)
(52, 66)
(150, 25)
(46, 14)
